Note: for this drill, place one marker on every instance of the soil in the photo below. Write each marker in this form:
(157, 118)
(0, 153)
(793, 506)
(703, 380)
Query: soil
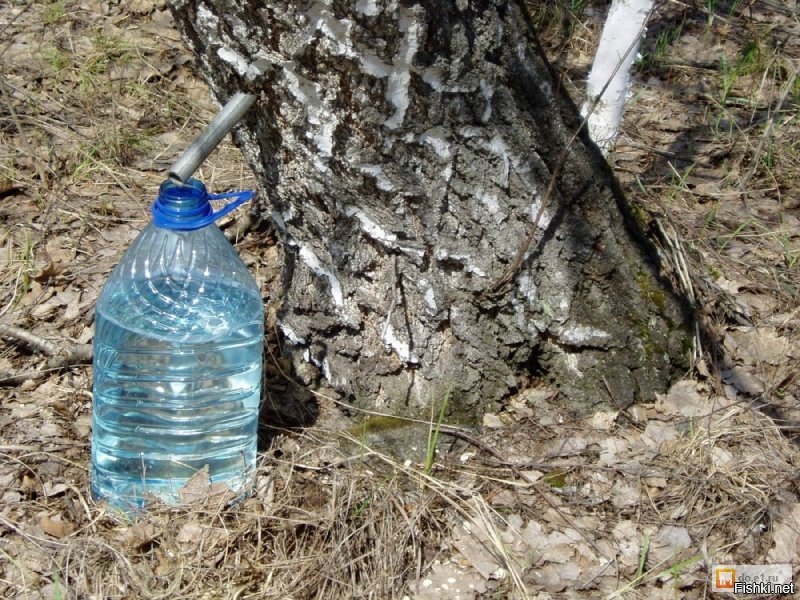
(99, 98)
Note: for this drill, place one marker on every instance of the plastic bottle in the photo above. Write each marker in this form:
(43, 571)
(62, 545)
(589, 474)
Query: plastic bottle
(177, 357)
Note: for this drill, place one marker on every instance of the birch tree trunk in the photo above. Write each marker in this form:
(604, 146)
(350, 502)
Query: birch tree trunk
(403, 150)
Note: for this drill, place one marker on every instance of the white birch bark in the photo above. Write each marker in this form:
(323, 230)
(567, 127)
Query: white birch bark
(402, 151)
(619, 45)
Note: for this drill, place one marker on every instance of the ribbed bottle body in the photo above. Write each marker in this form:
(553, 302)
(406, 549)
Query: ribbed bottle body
(177, 369)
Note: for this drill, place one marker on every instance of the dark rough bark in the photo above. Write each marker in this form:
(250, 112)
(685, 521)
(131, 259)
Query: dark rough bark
(403, 149)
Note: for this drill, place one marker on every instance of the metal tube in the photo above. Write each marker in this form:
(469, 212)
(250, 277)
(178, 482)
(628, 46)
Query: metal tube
(204, 145)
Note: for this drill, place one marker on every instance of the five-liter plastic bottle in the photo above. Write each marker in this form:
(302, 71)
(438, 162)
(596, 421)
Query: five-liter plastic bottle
(177, 357)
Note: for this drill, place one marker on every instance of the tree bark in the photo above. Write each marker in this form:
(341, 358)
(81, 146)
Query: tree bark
(403, 150)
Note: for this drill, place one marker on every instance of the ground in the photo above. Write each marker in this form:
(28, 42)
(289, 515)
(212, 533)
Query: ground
(98, 98)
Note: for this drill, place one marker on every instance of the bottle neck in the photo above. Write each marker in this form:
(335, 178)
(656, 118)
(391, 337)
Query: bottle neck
(187, 206)
(182, 207)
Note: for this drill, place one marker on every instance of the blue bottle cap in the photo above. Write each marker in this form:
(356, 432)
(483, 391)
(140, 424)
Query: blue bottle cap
(186, 207)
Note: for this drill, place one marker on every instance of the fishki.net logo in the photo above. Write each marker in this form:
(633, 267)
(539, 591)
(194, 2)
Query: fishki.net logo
(724, 578)
(775, 579)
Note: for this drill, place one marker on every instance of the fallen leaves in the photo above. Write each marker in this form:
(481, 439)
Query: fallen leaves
(785, 539)
(55, 526)
(656, 485)
(199, 490)
(757, 345)
(763, 360)
(138, 535)
(449, 581)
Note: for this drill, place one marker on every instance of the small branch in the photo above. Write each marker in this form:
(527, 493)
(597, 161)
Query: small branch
(33, 340)
(61, 355)
(236, 229)
(394, 300)
(79, 353)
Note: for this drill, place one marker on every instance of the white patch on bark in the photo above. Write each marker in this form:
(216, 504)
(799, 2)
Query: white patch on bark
(464, 259)
(470, 268)
(324, 138)
(368, 8)
(381, 180)
(527, 287)
(520, 314)
(572, 361)
(487, 92)
(336, 30)
(401, 347)
(240, 30)
(372, 65)
(397, 94)
(619, 44)
(400, 77)
(435, 137)
(312, 261)
(433, 78)
(489, 200)
(544, 221)
(310, 359)
(305, 91)
(323, 120)
(278, 220)
(498, 146)
(326, 370)
(233, 58)
(448, 172)
(371, 228)
(291, 335)
(430, 299)
(206, 19)
(428, 296)
(281, 218)
(582, 334)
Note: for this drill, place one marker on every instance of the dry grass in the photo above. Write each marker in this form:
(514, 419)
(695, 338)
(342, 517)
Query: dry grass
(635, 504)
(363, 528)
(324, 524)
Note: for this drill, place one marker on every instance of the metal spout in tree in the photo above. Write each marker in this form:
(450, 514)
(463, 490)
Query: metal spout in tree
(214, 133)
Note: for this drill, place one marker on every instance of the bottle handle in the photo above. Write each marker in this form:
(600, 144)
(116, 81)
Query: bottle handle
(239, 198)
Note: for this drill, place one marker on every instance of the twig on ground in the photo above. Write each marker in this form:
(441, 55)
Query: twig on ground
(61, 355)
(754, 161)
(23, 335)
(236, 229)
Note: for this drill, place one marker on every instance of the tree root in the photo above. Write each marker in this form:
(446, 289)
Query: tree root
(61, 355)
